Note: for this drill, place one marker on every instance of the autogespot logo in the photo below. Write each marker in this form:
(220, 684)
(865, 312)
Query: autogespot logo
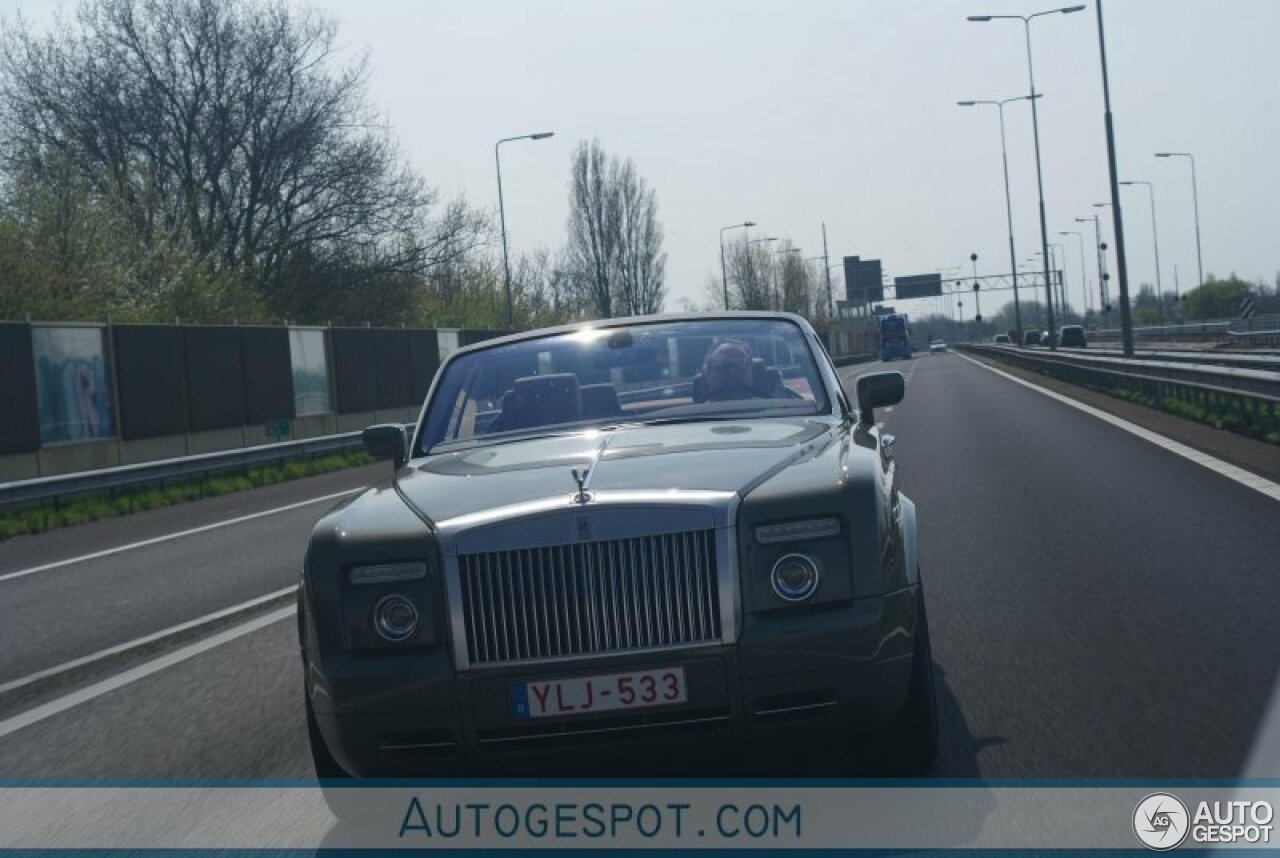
(1160, 820)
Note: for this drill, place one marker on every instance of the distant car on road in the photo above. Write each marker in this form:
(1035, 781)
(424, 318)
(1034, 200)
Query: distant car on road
(1048, 338)
(1003, 338)
(937, 346)
(1072, 336)
(1031, 338)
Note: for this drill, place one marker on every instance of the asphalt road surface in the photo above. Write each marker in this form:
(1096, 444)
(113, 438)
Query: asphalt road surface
(1100, 607)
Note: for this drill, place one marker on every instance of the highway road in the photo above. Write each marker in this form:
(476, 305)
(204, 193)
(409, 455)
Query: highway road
(1100, 607)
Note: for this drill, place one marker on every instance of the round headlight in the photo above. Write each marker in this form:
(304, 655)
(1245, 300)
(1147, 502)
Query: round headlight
(794, 577)
(395, 618)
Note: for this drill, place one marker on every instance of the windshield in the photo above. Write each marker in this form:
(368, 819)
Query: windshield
(684, 370)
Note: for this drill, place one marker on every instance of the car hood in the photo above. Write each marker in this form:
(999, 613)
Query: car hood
(707, 456)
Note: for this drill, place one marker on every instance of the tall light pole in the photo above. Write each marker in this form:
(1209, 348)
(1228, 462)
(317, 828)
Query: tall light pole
(1100, 248)
(1008, 202)
(724, 277)
(1117, 221)
(1060, 261)
(502, 211)
(1035, 124)
(1084, 271)
(1155, 241)
(1195, 199)
(826, 271)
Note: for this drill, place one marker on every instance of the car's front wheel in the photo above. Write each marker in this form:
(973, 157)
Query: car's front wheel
(326, 766)
(908, 745)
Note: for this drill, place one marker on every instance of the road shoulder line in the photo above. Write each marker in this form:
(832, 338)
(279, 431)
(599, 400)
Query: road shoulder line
(107, 552)
(145, 640)
(1232, 472)
(91, 692)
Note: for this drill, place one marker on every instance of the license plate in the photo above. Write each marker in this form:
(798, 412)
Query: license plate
(608, 693)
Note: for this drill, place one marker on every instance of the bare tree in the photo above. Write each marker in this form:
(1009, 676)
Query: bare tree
(796, 288)
(615, 239)
(594, 234)
(641, 260)
(749, 269)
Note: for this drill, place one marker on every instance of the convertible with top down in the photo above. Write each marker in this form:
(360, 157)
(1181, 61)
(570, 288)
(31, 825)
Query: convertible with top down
(625, 547)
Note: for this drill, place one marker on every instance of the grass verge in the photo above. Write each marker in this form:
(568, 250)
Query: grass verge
(50, 516)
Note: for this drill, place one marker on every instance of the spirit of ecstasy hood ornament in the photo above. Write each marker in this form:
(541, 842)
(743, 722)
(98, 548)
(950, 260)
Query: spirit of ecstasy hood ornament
(582, 476)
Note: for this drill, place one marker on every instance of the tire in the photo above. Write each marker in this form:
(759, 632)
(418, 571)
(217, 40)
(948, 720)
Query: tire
(908, 745)
(326, 766)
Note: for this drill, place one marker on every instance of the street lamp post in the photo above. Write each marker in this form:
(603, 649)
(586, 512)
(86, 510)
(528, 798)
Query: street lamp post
(1117, 222)
(1060, 260)
(1008, 202)
(1084, 273)
(1155, 241)
(724, 277)
(502, 211)
(1195, 199)
(1100, 248)
(826, 270)
(1035, 125)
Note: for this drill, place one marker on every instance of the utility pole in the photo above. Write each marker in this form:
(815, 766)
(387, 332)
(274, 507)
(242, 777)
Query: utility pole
(826, 268)
(1122, 268)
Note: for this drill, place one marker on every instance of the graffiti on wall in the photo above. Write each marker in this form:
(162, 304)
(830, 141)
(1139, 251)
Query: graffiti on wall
(71, 384)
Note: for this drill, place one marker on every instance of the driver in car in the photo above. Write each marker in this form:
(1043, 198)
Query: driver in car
(728, 374)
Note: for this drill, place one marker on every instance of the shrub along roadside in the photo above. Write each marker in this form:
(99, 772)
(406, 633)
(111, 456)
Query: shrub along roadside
(48, 516)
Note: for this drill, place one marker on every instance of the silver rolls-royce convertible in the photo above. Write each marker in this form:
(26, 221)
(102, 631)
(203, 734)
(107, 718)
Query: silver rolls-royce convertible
(621, 547)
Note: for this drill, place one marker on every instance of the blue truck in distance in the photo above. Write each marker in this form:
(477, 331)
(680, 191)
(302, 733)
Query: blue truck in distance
(895, 336)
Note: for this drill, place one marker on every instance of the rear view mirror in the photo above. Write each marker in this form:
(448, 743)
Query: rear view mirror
(876, 390)
(387, 441)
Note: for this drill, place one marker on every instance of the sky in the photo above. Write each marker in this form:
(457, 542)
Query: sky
(795, 114)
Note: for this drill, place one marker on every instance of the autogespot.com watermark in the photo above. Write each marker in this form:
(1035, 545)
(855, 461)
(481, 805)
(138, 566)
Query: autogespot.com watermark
(1162, 821)
(428, 821)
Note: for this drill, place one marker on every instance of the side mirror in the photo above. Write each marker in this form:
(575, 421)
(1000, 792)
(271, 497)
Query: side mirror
(879, 389)
(387, 441)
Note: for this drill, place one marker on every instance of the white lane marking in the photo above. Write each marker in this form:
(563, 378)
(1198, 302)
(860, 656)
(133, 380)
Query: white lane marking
(22, 573)
(106, 686)
(1225, 469)
(15, 684)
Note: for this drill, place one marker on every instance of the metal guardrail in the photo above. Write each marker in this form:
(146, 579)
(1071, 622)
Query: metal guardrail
(1216, 330)
(1253, 338)
(1240, 360)
(1254, 411)
(104, 480)
(1265, 382)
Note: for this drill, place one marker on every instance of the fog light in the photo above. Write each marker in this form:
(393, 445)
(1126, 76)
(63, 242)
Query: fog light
(794, 577)
(395, 618)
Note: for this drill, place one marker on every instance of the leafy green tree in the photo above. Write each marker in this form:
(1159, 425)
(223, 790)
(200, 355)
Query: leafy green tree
(207, 158)
(1215, 299)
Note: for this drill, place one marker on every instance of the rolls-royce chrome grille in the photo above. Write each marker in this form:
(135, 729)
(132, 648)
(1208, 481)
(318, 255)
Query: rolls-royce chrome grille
(590, 598)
